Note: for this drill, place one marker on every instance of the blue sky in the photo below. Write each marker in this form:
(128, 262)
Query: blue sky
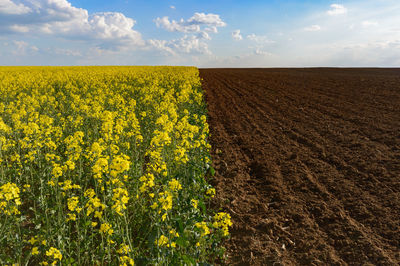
(219, 33)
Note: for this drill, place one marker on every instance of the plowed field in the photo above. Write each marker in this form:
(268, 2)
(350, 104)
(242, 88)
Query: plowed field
(307, 163)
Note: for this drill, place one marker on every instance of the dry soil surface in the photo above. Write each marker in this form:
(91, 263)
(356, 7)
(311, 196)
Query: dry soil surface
(307, 163)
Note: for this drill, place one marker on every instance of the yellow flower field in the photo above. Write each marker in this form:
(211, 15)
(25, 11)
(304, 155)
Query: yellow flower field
(105, 165)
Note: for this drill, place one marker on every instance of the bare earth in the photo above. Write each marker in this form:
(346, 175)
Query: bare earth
(308, 164)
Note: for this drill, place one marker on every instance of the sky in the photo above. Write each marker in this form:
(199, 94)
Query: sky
(206, 33)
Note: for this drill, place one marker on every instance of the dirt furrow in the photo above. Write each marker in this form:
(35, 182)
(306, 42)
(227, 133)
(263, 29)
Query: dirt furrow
(308, 173)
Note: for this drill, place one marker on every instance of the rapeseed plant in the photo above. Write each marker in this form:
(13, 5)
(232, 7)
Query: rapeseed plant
(105, 166)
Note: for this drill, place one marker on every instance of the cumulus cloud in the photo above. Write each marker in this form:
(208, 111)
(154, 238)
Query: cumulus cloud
(11, 8)
(172, 7)
(197, 31)
(19, 28)
(187, 45)
(337, 9)
(113, 26)
(193, 24)
(203, 35)
(179, 26)
(313, 28)
(59, 18)
(236, 35)
(206, 19)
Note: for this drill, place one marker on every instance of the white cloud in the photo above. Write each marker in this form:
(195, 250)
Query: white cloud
(191, 44)
(259, 43)
(197, 31)
(259, 39)
(203, 35)
(172, 7)
(113, 25)
(161, 45)
(206, 19)
(59, 18)
(211, 29)
(23, 48)
(11, 8)
(179, 26)
(34, 48)
(20, 47)
(236, 35)
(337, 9)
(187, 45)
(18, 28)
(193, 24)
(313, 28)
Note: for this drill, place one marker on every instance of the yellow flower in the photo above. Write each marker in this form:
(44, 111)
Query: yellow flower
(72, 203)
(9, 199)
(125, 261)
(211, 192)
(57, 171)
(71, 217)
(194, 203)
(165, 200)
(162, 241)
(124, 249)
(222, 220)
(174, 185)
(55, 253)
(120, 199)
(98, 214)
(35, 251)
(105, 228)
(174, 233)
(89, 193)
(33, 240)
(203, 228)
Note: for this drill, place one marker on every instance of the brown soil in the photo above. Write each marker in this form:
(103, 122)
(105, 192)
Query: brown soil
(308, 164)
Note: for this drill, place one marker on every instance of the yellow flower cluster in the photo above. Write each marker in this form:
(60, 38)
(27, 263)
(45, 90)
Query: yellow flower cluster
(55, 254)
(222, 220)
(202, 226)
(9, 199)
(120, 199)
(106, 229)
(110, 162)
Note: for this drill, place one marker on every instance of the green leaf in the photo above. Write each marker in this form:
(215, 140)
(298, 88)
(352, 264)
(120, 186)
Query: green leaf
(189, 260)
(212, 171)
(182, 241)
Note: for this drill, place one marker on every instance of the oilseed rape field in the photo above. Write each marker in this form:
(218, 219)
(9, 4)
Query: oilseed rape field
(105, 166)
